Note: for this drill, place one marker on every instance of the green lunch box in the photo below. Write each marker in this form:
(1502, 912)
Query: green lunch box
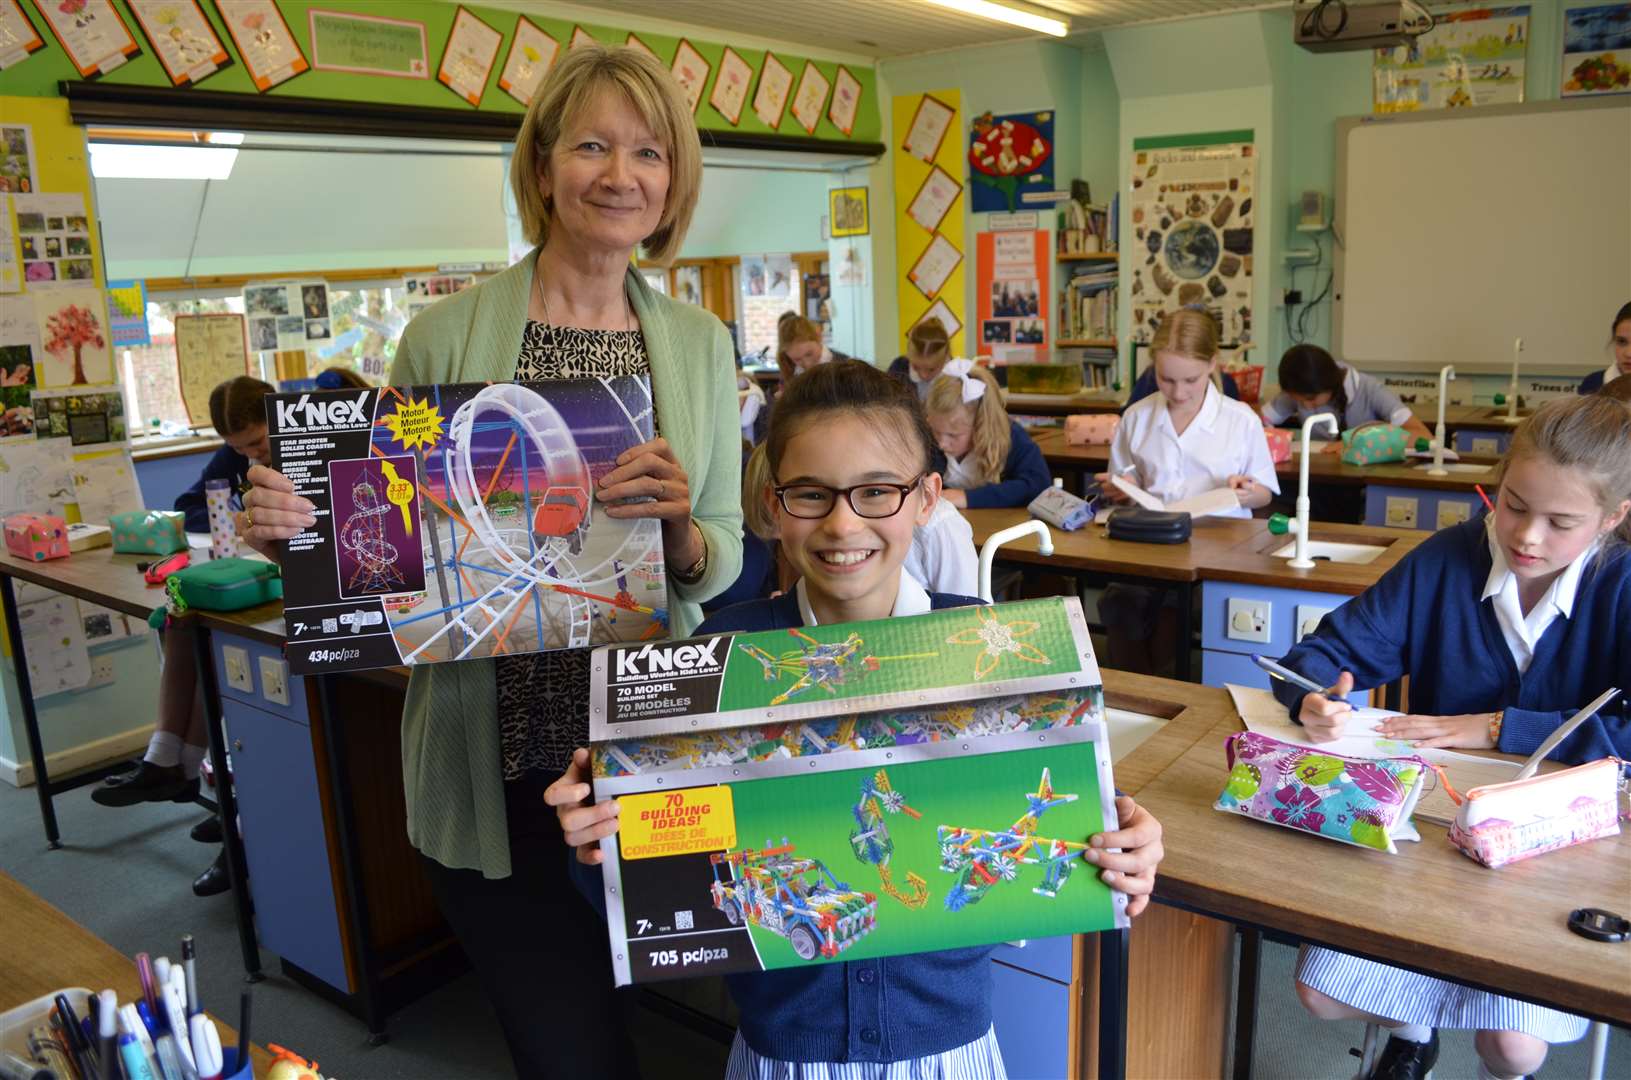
(230, 584)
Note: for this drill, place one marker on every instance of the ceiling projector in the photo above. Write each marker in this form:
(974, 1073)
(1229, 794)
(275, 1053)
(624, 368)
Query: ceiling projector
(1351, 25)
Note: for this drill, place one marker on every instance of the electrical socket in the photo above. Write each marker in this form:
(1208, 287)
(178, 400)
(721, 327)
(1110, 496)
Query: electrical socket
(1293, 296)
(274, 680)
(1248, 620)
(236, 661)
(1308, 618)
(102, 673)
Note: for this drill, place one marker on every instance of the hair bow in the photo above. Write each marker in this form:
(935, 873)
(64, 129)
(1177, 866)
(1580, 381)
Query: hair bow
(973, 389)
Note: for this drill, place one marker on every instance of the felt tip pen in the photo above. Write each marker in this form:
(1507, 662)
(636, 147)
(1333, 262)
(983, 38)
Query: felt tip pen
(136, 1065)
(107, 1033)
(130, 1023)
(189, 965)
(144, 972)
(79, 1047)
(175, 1011)
(1285, 674)
(206, 1048)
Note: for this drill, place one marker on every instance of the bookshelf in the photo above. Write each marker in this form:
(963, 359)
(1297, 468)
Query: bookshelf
(1093, 256)
(1089, 289)
(1086, 343)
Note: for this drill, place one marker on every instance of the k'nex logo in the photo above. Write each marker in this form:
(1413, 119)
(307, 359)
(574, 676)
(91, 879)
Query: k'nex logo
(668, 661)
(325, 412)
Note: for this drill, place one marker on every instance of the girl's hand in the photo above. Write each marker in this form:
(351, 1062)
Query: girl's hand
(272, 511)
(1109, 491)
(1132, 869)
(956, 496)
(583, 823)
(652, 473)
(1469, 730)
(1241, 485)
(1323, 718)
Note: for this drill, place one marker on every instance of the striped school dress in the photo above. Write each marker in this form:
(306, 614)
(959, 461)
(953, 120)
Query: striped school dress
(978, 1060)
(1411, 998)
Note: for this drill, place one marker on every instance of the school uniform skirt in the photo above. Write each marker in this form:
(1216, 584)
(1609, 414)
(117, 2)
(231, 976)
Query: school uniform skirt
(1411, 998)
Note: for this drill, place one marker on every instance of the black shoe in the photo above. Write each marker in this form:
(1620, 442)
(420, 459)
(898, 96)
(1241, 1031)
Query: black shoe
(147, 783)
(1406, 1060)
(207, 831)
(214, 881)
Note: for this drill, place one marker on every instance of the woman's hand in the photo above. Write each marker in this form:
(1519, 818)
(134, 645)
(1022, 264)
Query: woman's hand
(584, 824)
(1468, 731)
(1132, 869)
(650, 472)
(1324, 718)
(272, 511)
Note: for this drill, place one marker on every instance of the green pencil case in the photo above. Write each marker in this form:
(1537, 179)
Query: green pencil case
(148, 532)
(1373, 444)
(230, 584)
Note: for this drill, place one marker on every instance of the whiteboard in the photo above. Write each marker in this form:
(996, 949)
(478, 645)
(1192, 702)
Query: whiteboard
(1462, 231)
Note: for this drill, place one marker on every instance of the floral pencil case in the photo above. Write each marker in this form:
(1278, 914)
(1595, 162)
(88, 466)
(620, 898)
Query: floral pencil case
(1503, 823)
(1362, 801)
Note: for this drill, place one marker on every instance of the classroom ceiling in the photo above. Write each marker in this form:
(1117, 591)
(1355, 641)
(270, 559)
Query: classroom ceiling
(890, 28)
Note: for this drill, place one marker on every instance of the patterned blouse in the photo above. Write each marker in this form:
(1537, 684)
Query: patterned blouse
(543, 698)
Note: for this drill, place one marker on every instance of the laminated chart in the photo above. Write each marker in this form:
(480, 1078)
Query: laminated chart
(794, 797)
(459, 521)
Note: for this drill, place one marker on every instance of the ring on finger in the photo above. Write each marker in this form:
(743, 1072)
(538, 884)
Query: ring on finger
(249, 517)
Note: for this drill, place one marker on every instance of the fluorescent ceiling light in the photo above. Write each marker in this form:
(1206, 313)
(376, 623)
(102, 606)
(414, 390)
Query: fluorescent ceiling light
(133, 162)
(985, 9)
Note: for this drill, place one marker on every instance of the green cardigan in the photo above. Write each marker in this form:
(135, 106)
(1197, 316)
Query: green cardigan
(451, 771)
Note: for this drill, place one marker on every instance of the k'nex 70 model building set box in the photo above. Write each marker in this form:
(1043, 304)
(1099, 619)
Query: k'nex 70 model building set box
(845, 792)
(459, 521)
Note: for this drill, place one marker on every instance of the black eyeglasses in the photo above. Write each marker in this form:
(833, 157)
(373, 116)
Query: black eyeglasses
(816, 501)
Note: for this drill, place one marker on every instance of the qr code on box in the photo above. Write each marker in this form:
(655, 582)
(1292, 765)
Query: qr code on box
(682, 920)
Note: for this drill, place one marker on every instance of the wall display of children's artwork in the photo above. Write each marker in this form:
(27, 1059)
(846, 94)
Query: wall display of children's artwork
(35, 477)
(264, 42)
(472, 46)
(210, 349)
(86, 419)
(1008, 156)
(54, 239)
(54, 641)
(846, 101)
(770, 99)
(104, 625)
(1597, 50)
(939, 310)
(848, 209)
(810, 98)
(532, 54)
(580, 38)
(1193, 215)
(688, 284)
(127, 314)
(105, 484)
(934, 199)
(367, 44)
(93, 35)
(74, 348)
(182, 38)
(17, 159)
(11, 278)
(691, 70)
(969, 827)
(927, 130)
(458, 522)
(18, 38)
(284, 316)
(934, 266)
(730, 91)
(1011, 294)
(633, 41)
(767, 276)
(422, 292)
(1470, 57)
(19, 364)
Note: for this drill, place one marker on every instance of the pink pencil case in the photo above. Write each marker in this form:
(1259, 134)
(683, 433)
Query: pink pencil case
(1503, 823)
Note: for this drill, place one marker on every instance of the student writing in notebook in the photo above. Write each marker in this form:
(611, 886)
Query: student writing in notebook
(1506, 625)
(1184, 441)
(990, 460)
(927, 350)
(1311, 381)
(846, 523)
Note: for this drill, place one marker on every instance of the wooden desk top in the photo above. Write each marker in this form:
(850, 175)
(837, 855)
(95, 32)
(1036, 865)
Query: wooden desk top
(1191, 712)
(97, 575)
(1219, 549)
(1322, 468)
(1429, 907)
(62, 953)
(1468, 417)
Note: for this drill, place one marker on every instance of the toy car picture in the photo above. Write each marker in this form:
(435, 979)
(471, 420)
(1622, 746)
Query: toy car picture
(795, 898)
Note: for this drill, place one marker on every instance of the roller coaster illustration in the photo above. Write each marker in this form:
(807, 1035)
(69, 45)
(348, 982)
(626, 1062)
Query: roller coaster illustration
(540, 562)
(362, 536)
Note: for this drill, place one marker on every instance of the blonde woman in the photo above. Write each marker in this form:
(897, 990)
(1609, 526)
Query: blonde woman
(607, 160)
(928, 348)
(990, 461)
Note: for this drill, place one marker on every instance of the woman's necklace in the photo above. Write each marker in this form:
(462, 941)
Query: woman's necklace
(538, 285)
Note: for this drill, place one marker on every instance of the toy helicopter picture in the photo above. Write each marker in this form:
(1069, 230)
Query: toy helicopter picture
(828, 665)
(980, 858)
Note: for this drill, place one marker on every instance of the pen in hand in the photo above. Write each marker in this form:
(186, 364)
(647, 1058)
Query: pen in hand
(1301, 682)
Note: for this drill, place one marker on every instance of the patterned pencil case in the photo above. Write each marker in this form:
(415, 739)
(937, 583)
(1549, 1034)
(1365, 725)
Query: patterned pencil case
(1503, 823)
(1373, 444)
(1362, 801)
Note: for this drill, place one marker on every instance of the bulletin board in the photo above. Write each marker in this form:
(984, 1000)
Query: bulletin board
(929, 210)
(210, 349)
(1011, 293)
(61, 163)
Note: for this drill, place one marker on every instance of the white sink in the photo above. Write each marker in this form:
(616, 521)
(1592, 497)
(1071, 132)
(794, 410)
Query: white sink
(1358, 554)
(1128, 730)
(1451, 466)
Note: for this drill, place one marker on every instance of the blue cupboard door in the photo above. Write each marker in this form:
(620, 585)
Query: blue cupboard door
(1032, 1018)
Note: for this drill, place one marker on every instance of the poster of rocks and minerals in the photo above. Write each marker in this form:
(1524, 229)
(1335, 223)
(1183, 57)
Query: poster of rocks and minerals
(1192, 216)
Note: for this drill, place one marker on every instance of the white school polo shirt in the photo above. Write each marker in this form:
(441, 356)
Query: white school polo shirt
(1523, 632)
(942, 555)
(910, 599)
(1224, 440)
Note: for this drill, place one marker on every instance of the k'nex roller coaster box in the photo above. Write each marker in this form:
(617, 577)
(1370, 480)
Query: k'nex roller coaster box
(459, 521)
(846, 792)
